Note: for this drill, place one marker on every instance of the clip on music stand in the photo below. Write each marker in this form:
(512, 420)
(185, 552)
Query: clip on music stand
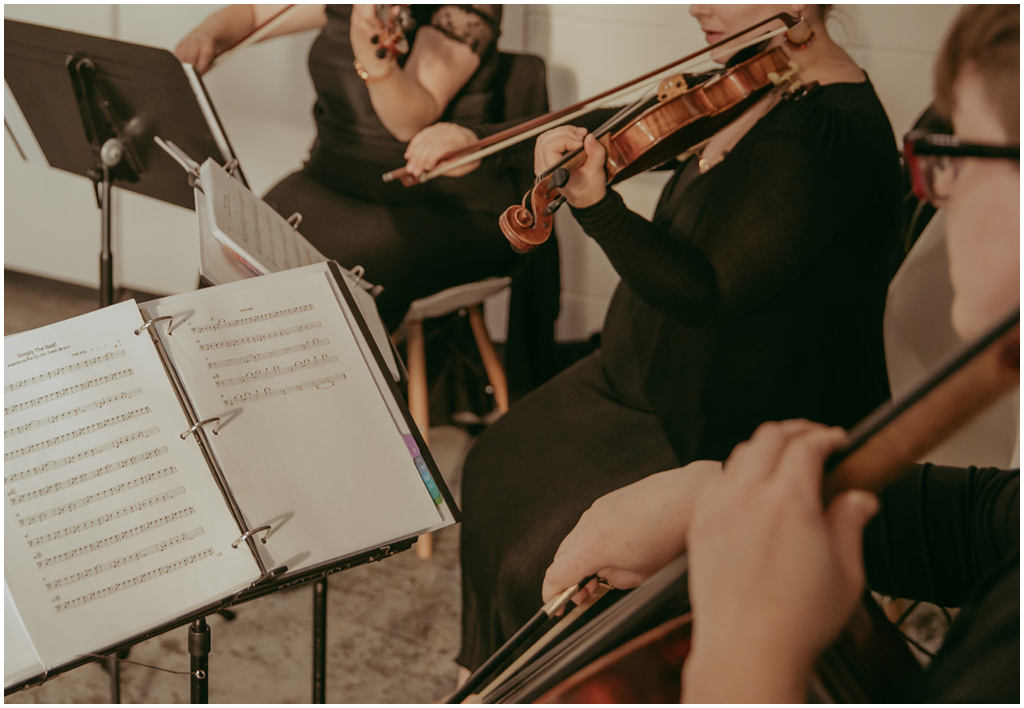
(92, 106)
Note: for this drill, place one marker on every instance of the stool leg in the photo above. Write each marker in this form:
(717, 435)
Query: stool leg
(492, 365)
(419, 404)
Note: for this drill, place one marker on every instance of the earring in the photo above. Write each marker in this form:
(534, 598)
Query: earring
(799, 35)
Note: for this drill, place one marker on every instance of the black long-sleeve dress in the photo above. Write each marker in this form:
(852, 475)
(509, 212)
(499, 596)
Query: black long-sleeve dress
(413, 241)
(952, 536)
(755, 293)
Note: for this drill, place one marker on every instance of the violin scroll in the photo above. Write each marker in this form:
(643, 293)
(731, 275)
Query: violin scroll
(395, 21)
(528, 225)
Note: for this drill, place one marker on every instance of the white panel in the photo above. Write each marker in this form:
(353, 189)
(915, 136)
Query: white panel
(90, 19)
(915, 28)
(51, 223)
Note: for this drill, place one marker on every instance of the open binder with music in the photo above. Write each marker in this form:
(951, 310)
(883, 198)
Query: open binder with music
(170, 457)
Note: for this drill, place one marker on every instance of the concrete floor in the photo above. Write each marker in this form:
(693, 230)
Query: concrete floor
(392, 626)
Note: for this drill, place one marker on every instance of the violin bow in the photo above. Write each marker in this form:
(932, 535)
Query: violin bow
(878, 451)
(256, 34)
(524, 131)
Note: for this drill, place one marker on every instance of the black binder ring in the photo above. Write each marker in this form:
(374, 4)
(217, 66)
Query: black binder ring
(193, 428)
(149, 323)
(247, 534)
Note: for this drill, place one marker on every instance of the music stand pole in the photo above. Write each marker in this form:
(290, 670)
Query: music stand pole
(199, 651)
(320, 641)
(106, 254)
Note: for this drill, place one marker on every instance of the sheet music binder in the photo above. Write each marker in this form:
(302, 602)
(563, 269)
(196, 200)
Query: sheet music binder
(116, 531)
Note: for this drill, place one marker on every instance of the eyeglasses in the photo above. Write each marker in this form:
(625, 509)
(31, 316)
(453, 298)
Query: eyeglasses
(934, 161)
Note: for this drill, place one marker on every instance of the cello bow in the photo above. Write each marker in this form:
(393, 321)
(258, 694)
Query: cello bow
(598, 660)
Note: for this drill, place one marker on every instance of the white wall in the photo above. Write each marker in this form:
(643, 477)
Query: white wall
(51, 224)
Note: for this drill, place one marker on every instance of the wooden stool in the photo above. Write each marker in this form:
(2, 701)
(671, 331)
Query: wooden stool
(469, 297)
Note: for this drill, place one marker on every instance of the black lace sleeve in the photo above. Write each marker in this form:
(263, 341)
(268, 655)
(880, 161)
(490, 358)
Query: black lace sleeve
(476, 26)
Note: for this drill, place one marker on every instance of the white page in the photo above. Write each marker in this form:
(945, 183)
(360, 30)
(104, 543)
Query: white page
(307, 441)
(21, 662)
(113, 524)
(248, 225)
(241, 236)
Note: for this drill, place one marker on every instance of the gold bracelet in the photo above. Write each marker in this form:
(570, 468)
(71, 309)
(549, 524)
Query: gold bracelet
(367, 77)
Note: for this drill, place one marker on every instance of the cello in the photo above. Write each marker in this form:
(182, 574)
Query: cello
(633, 651)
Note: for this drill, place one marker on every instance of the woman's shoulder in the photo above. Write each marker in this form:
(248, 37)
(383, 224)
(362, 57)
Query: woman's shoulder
(838, 115)
(477, 26)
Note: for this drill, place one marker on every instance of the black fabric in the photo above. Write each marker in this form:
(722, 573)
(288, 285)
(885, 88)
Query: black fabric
(538, 481)
(952, 536)
(754, 294)
(413, 241)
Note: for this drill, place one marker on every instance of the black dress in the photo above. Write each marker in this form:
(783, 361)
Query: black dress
(755, 293)
(952, 536)
(413, 241)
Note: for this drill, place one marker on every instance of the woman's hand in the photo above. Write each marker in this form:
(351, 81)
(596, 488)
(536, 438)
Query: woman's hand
(196, 48)
(435, 141)
(587, 184)
(630, 534)
(773, 575)
(363, 28)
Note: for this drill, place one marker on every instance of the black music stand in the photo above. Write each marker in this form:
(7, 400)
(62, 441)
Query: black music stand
(94, 105)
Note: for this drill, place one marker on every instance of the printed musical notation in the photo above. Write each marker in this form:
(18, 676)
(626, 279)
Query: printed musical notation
(62, 371)
(75, 434)
(256, 338)
(275, 371)
(253, 358)
(254, 319)
(106, 518)
(59, 417)
(15, 499)
(132, 582)
(67, 391)
(264, 393)
(125, 560)
(116, 538)
(93, 498)
(85, 454)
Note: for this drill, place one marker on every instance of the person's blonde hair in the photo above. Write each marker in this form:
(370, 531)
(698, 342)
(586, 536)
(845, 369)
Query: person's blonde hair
(986, 37)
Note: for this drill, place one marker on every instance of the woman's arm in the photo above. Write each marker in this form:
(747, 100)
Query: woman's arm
(225, 27)
(940, 529)
(410, 98)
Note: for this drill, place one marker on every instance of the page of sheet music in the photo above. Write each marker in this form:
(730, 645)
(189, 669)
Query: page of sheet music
(247, 224)
(113, 524)
(307, 442)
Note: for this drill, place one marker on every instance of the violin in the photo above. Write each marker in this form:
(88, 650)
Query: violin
(681, 119)
(667, 88)
(634, 650)
(395, 21)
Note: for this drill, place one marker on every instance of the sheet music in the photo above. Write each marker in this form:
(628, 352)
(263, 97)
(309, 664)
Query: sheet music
(307, 442)
(249, 226)
(113, 523)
